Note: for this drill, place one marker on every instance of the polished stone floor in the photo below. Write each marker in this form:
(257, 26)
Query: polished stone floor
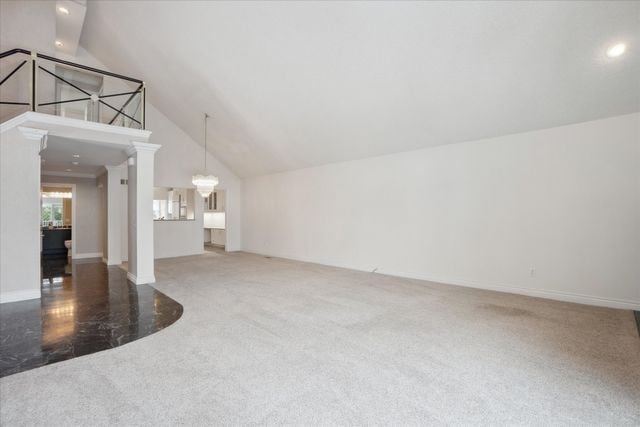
(85, 308)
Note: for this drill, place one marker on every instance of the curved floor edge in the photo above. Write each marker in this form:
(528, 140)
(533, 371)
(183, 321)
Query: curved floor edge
(85, 308)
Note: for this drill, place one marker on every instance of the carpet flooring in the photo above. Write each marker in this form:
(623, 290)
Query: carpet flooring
(272, 341)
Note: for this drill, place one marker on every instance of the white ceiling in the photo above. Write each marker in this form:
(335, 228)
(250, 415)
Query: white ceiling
(69, 26)
(296, 84)
(58, 156)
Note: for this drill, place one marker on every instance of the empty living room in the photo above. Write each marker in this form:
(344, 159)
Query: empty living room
(319, 213)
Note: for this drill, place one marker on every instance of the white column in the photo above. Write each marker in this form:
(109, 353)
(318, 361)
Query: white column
(114, 213)
(140, 207)
(20, 213)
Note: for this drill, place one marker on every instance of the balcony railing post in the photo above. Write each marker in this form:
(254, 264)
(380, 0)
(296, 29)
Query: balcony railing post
(144, 104)
(34, 82)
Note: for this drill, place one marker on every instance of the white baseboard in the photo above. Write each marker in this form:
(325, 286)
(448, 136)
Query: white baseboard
(87, 255)
(539, 293)
(14, 296)
(141, 280)
(366, 269)
(198, 251)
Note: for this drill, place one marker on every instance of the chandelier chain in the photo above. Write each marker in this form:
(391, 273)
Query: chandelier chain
(206, 116)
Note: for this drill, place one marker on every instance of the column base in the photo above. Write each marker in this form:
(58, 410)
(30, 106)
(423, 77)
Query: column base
(141, 280)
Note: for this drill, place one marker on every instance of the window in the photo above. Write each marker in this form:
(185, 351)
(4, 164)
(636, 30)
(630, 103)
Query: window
(55, 207)
(52, 212)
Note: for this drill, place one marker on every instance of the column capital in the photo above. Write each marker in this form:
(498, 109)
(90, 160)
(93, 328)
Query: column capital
(137, 146)
(114, 168)
(35, 134)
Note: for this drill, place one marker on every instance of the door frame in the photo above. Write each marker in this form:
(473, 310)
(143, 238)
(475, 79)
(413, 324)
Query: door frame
(74, 247)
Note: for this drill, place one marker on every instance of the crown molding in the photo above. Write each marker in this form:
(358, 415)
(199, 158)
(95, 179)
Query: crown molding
(77, 129)
(69, 174)
(138, 146)
(33, 133)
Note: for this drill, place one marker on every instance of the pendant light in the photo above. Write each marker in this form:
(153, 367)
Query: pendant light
(205, 183)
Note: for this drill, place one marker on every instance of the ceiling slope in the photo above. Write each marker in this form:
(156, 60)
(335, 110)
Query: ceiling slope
(296, 84)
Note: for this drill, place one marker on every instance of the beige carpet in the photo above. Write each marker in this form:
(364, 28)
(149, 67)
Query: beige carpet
(271, 341)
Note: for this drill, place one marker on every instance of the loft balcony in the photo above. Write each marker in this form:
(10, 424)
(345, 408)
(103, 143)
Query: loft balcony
(40, 83)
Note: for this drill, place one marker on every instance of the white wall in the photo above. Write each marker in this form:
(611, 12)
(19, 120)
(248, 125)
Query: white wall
(90, 214)
(176, 162)
(28, 25)
(218, 236)
(179, 158)
(177, 238)
(102, 183)
(124, 216)
(19, 221)
(564, 202)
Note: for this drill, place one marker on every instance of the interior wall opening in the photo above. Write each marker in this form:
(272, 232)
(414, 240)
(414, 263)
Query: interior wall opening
(215, 221)
(57, 229)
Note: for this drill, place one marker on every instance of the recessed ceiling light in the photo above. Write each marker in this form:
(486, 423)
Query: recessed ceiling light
(616, 50)
(59, 43)
(77, 156)
(75, 163)
(63, 10)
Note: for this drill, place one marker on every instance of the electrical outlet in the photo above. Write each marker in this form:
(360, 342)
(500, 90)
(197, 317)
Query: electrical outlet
(532, 272)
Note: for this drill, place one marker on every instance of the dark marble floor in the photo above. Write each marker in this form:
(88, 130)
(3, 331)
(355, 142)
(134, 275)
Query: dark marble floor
(85, 308)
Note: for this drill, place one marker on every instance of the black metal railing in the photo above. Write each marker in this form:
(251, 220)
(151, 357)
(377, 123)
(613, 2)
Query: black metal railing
(55, 86)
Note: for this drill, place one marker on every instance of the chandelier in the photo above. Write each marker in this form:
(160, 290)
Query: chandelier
(205, 183)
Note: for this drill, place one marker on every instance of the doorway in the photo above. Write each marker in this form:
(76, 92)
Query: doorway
(57, 230)
(215, 221)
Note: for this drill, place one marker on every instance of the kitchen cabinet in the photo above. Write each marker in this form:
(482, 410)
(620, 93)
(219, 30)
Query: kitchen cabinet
(215, 202)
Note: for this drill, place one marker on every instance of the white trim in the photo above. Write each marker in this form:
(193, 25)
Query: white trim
(135, 146)
(147, 280)
(14, 296)
(35, 134)
(538, 293)
(66, 121)
(141, 280)
(87, 255)
(69, 174)
(11, 123)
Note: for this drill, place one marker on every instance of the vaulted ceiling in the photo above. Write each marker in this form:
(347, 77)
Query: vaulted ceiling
(297, 84)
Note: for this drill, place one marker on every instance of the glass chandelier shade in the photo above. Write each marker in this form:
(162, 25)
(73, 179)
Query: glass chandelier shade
(204, 184)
